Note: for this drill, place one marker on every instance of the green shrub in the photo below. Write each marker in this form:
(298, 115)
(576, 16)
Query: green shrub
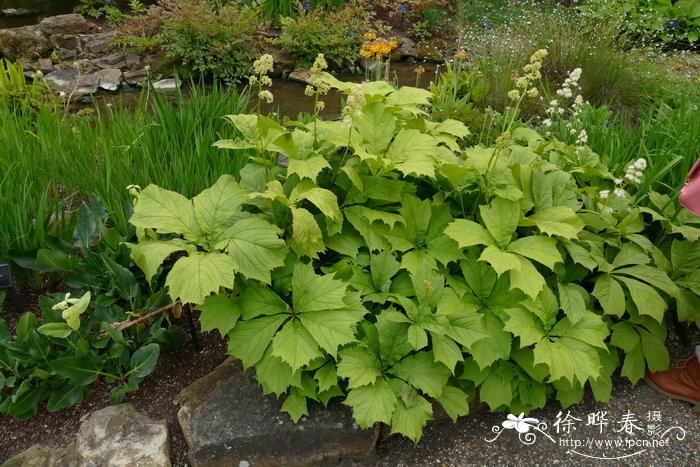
(390, 267)
(213, 40)
(337, 34)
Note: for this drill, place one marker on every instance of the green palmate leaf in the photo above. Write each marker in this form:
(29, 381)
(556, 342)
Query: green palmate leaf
(647, 300)
(480, 277)
(294, 345)
(655, 352)
(580, 255)
(323, 199)
(654, 276)
(196, 276)
(454, 401)
(383, 267)
(572, 301)
(417, 337)
(369, 234)
(359, 365)
(215, 206)
(496, 390)
(410, 97)
(249, 339)
(469, 328)
(393, 337)
(527, 278)
(423, 372)
(308, 168)
(165, 211)
(412, 153)
(332, 328)
(500, 260)
(150, 254)
(624, 336)
(558, 221)
(541, 249)
(219, 312)
(316, 293)
(258, 301)
(306, 234)
(372, 403)
(444, 249)
(685, 256)
(468, 233)
(295, 404)
(255, 248)
(634, 367)
(375, 129)
(569, 359)
(524, 324)
(630, 253)
(610, 295)
(274, 375)
(501, 219)
(417, 213)
(326, 377)
(411, 412)
(589, 329)
(446, 351)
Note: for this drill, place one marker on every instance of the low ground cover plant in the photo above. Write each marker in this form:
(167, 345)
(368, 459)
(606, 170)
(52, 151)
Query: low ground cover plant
(390, 266)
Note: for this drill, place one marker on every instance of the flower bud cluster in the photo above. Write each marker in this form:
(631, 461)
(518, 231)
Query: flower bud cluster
(532, 73)
(354, 105)
(635, 171)
(261, 67)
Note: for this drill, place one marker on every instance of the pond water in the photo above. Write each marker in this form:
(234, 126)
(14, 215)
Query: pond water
(32, 11)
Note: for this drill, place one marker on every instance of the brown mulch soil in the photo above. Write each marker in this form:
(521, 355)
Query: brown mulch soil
(176, 369)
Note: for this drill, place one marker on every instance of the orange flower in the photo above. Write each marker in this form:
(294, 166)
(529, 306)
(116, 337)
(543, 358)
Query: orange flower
(419, 70)
(370, 36)
(461, 55)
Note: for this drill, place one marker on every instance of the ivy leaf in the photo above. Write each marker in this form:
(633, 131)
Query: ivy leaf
(647, 300)
(468, 233)
(524, 324)
(372, 403)
(571, 299)
(249, 339)
(527, 278)
(306, 234)
(411, 413)
(590, 329)
(194, 277)
(150, 254)
(219, 312)
(539, 248)
(501, 219)
(422, 372)
(558, 221)
(316, 293)
(359, 366)
(215, 206)
(255, 248)
(331, 328)
(294, 345)
(165, 211)
(454, 401)
(326, 377)
(610, 295)
(500, 260)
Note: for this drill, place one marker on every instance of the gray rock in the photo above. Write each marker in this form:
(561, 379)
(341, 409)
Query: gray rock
(120, 435)
(66, 41)
(228, 422)
(110, 79)
(283, 63)
(166, 85)
(67, 54)
(136, 78)
(66, 24)
(45, 65)
(25, 42)
(111, 59)
(98, 43)
(41, 455)
(300, 75)
(132, 61)
(83, 85)
(60, 78)
(407, 47)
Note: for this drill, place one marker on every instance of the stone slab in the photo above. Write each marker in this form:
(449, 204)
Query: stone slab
(60, 78)
(227, 421)
(110, 79)
(38, 455)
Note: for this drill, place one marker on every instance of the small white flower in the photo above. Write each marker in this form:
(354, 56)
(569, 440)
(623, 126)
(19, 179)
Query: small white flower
(547, 122)
(608, 210)
(619, 192)
(266, 96)
(604, 194)
(640, 164)
(619, 181)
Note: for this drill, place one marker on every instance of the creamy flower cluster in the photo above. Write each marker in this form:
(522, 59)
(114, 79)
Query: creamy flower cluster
(261, 67)
(532, 74)
(354, 105)
(633, 175)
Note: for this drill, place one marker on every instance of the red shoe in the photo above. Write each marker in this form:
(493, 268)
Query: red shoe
(681, 382)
